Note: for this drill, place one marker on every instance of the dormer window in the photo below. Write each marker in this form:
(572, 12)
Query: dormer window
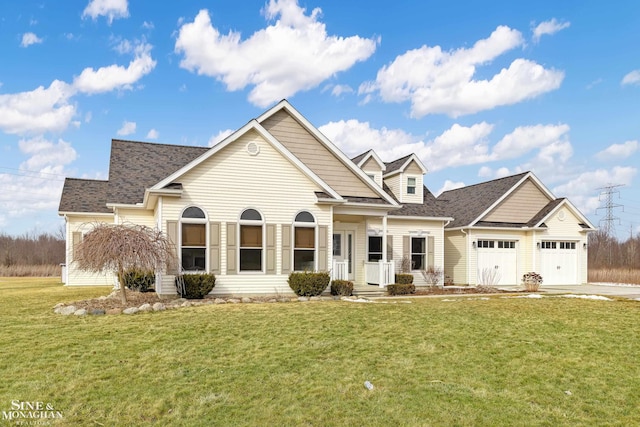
(411, 186)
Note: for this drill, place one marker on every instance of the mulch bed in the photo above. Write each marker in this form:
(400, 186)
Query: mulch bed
(437, 290)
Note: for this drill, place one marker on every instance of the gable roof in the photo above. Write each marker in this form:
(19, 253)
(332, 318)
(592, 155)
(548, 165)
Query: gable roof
(136, 166)
(84, 195)
(335, 151)
(252, 125)
(399, 165)
(431, 206)
(361, 159)
(467, 204)
(552, 207)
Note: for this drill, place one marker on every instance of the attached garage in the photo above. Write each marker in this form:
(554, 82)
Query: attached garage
(497, 259)
(559, 262)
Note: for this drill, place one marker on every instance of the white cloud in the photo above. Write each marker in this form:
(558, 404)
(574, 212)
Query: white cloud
(618, 151)
(37, 184)
(340, 89)
(457, 146)
(219, 137)
(38, 111)
(449, 185)
(526, 138)
(111, 9)
(30, 38)
(153, 134)
(46, 153)
(127, 128)
(264, 61)
(548, 28)
(88, 117)
(437, 81)
(147, 25)
(632, 78)
(581, 189)
(112, 77)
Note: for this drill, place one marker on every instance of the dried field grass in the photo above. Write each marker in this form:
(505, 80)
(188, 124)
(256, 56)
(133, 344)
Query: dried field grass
(47, 270)
(615, 275)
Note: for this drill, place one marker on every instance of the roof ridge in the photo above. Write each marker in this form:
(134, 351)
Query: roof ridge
(158, 143)
(486, 182)
(86, 179)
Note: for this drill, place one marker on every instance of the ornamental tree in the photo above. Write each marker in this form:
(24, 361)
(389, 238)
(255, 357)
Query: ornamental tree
(121, 247)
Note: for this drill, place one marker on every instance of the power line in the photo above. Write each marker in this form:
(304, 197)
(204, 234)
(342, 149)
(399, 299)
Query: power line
(607, 193)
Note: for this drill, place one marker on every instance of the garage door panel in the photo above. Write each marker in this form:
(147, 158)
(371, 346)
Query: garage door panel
(559, 263)
(497, 258)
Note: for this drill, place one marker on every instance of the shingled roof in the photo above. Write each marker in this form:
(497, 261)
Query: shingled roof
(396, 164)
(544, 212)
(430, 207)
(359, 157)
(136, 166)
(84, 195)
(466, 204)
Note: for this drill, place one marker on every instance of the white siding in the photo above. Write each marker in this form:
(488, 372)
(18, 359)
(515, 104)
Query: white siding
(76, 276)
(412, 171)
(231, 181)
(394, 185)
(136, 216)
(568, 229)
(455, 257)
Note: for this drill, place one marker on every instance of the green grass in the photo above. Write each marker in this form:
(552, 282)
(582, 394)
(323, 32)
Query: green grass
(432, 362)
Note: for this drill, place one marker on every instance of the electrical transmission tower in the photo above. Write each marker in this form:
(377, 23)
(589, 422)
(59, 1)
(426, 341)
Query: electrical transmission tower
(606, 194)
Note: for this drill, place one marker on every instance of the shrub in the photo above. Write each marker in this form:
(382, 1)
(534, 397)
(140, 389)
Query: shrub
(342, 288)
(401, 289)
(432, 275)
(404, 278)
(195, 286)
(532, 281)
(309, 284)
(139, 280)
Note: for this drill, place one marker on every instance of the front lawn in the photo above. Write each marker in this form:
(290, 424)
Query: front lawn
(434, 361)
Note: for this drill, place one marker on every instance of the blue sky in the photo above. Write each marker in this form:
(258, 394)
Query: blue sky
(478, 90)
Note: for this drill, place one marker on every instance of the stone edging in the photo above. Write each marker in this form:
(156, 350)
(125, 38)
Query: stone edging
(67, 310)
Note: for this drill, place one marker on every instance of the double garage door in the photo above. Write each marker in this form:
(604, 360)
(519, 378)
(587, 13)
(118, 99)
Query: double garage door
(497, 262)
(558, 263)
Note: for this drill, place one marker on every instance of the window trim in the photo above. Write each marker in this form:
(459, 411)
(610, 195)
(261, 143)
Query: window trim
(203, 221)
(424, 254)
(263, 251)
(296, 224)
(414, 186)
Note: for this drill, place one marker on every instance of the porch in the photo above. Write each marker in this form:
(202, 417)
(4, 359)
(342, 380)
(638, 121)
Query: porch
(378, 273)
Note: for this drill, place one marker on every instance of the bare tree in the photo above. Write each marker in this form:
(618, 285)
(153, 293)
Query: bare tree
(120, 247)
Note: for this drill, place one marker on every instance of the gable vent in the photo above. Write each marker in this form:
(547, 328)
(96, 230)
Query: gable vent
(253, 149)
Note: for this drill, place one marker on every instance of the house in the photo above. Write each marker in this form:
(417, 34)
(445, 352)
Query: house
(510, 226)
(277, 196)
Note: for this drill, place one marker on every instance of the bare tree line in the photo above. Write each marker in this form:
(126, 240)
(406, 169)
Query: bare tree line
(32, 249)
(607, 252)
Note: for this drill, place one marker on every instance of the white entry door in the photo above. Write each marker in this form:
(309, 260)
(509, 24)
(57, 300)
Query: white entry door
(497, 260)
(343, 243)
(558, 263)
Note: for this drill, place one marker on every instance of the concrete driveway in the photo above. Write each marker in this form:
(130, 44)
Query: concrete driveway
(631, 292)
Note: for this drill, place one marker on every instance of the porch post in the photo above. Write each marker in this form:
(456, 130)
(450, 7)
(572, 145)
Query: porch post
(384, 238)
(382, 263)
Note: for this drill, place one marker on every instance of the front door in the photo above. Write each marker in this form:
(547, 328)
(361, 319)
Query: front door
(343, 242)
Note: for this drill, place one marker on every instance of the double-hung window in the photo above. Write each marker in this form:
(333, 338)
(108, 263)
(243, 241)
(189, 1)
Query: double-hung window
(251, 241)
(193, 246)
(411, 185)
(304, 244)
(418, 253)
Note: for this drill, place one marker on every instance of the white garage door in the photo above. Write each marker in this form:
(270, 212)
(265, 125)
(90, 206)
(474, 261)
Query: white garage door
(498, 259)
(558, 263)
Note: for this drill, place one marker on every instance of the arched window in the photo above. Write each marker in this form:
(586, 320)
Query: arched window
(251, 242)
(304, 242)
(193, 240)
